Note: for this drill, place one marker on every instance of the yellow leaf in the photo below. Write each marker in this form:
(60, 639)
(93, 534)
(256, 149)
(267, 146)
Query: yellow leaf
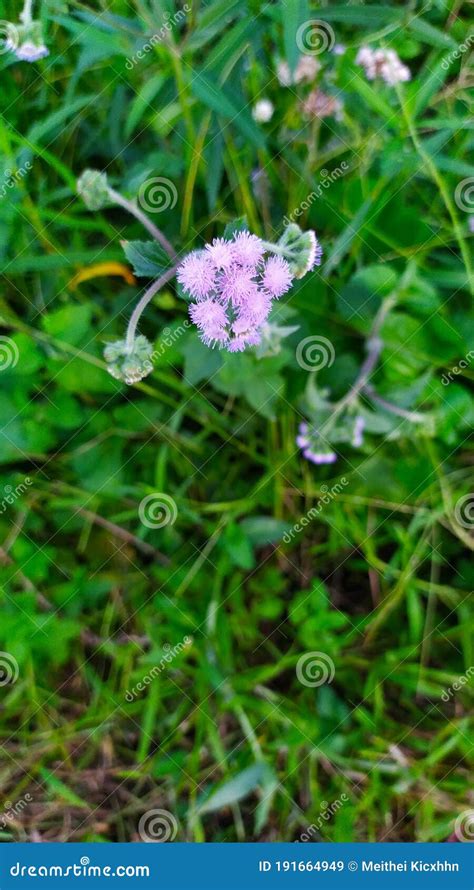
(100, 269)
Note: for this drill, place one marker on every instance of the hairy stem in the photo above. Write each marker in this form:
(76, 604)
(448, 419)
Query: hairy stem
(413, 416)
(143, 303)
(26, 15)
(133, 208)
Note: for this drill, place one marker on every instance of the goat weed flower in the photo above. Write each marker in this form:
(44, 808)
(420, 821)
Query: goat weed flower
(129, 362)
(233, 285)
(93, 188)
(383, 63)
(26, 39)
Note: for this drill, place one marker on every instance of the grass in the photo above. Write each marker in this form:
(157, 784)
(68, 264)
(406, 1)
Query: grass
(213, 613)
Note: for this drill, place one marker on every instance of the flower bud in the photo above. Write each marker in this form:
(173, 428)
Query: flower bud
(129, 363)
(302, 250)
(26, 41)
(93, 188)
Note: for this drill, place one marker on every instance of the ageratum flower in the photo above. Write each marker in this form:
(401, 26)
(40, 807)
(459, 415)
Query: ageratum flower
(26, 41)
(233, 285)
(383, 63)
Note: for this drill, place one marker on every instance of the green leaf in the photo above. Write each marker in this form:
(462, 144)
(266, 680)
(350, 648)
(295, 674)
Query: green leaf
(237, 788)
(264, 530)
(70, 323)
(236, 225)
(294, 14)
(221, 101)
(147, 258)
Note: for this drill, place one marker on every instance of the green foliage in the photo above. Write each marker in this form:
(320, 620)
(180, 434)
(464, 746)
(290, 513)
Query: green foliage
(377, 576)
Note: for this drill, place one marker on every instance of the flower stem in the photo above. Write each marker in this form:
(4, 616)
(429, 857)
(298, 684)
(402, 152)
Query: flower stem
(133, 208)
(26, 15)
(143, 303)
(412, 416)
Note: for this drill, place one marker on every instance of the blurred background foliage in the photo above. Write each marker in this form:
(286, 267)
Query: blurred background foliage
(226, 738)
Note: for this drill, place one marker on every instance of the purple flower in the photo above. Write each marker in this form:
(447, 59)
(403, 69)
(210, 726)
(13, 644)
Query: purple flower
(197, 274)
(276, 277)
(233, 287)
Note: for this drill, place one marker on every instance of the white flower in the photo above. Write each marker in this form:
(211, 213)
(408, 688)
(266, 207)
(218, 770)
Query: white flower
(383, 63)
(306, 70)
(262, 111)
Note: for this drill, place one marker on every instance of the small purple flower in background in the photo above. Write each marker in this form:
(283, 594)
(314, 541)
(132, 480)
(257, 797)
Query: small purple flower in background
(26, 39)
(305, 441)
(305, 71)
(233, 284)
(358, 431)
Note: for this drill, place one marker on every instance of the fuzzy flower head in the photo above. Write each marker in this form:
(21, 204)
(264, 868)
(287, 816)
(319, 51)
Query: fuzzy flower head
(232, 285)
(383, 63)
(129, 363)
(93, 188)
(305, 71)
(26, 41)
(262, 111)
(319, 104)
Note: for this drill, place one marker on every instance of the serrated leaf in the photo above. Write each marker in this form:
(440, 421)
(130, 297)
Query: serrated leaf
(147, 258)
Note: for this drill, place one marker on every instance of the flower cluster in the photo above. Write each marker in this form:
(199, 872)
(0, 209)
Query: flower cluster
(305, 71)
(233, 284)
(319, 104)
(305, 441)
(26, 41)
(317, 446)
(93, 188)
(383, 63)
